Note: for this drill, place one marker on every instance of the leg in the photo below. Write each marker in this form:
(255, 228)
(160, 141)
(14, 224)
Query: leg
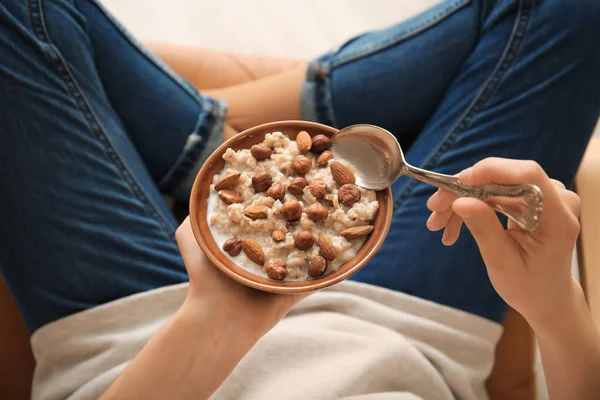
(212, 69)
(510, 69)
(82, 218)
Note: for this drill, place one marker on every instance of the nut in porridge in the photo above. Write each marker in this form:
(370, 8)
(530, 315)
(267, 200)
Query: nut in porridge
(228, 181)
(278, 236)
(230, 196)
(263, 212)
(317, 212)
(341, 173)
(304, 142)
(261, 181)
(326, 247)
(276, 269)
(349, 194)
(297, 186)
(260, 152)
(304, 240)
(324, 158)
(233, 246)
(357, 231)
(317, 189)
(253, 251)
(320, 143)
(257, 212)
(277, 191)
(302, 165)
(317, 267)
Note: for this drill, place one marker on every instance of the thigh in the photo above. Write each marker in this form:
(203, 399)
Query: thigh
(81, 220)
(512, 96)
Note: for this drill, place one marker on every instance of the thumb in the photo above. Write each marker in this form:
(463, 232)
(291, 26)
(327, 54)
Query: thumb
(485, 227)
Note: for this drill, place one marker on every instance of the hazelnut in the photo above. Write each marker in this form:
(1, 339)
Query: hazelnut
(278, 236)
(277, 191)
(261, 181)
(317, 212)
(294, 222)
(317, 188)
(260, 152)
(317, 267)
(302, 165)
(292, 210)
(324, 158)
(328, 199)
(349, 194)
(276, 269)
(297, 186)
(233, 246)
(304, 240)
(320, 143)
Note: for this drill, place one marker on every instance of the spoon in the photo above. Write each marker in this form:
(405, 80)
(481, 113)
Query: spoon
(378, 161)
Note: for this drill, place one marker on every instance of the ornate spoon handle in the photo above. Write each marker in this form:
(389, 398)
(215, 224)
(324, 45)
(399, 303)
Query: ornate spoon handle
(523, 204)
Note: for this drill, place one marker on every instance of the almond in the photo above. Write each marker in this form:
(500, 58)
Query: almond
(257, 212)
(326, 247)
(253, 251)
(278, 236)
(304, 142)
(341, 173)
(324, 158)
(228, 181)
(357, 231)
(230, 196)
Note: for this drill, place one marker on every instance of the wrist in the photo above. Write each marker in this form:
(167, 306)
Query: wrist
(570, 312)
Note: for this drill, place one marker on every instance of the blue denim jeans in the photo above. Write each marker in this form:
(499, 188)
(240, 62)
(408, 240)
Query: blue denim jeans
(93, 128)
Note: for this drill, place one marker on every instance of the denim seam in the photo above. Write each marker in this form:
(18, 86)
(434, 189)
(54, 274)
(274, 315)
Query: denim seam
(487, 91)
(424, 25)
(95, 128)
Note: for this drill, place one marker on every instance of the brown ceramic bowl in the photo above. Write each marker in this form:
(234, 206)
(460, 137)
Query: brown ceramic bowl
(198, 214)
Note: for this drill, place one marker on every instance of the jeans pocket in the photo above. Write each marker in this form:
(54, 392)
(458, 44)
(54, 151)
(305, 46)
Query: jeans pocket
(368, 43)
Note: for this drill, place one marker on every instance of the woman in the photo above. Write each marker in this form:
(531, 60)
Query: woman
(95, 128)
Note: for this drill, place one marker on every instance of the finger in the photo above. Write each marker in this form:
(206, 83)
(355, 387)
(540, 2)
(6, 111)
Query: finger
(518, 172)
(452, 231)
(438, 220)
(558, 184)
(190, 251)
(572, 201)
(440, 201)
(485, 227)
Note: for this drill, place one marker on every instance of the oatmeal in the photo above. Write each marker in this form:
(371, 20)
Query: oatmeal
(288, 210)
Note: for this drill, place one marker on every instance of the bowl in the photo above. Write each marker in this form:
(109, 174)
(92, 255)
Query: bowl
(200, 227)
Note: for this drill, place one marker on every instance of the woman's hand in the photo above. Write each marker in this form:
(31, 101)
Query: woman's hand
(254, 310)
(530, 270)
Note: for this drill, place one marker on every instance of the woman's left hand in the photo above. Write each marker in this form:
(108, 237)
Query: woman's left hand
(257, 311)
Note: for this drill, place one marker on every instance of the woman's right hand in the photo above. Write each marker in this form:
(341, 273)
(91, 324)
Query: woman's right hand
(530, 270)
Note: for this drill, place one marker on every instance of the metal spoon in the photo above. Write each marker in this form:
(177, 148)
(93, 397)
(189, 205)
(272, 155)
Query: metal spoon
(378, 159)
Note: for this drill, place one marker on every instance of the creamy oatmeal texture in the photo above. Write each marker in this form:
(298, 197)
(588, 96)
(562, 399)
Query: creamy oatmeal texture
(231, 220)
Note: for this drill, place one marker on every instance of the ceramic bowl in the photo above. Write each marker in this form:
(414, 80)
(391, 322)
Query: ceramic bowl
(199, 210)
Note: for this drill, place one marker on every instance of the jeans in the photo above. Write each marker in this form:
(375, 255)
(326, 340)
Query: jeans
(99, 128)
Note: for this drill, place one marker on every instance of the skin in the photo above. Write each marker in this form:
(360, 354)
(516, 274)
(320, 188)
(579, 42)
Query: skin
(193, 353)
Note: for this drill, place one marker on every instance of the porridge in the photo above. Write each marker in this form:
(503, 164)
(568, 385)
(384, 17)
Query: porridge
(288, 210)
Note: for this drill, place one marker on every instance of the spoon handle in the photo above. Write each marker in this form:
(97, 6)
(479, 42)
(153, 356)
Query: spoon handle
(523, 204)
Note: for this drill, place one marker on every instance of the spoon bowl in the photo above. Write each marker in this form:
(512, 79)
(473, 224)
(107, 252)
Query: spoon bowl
(378, 161)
